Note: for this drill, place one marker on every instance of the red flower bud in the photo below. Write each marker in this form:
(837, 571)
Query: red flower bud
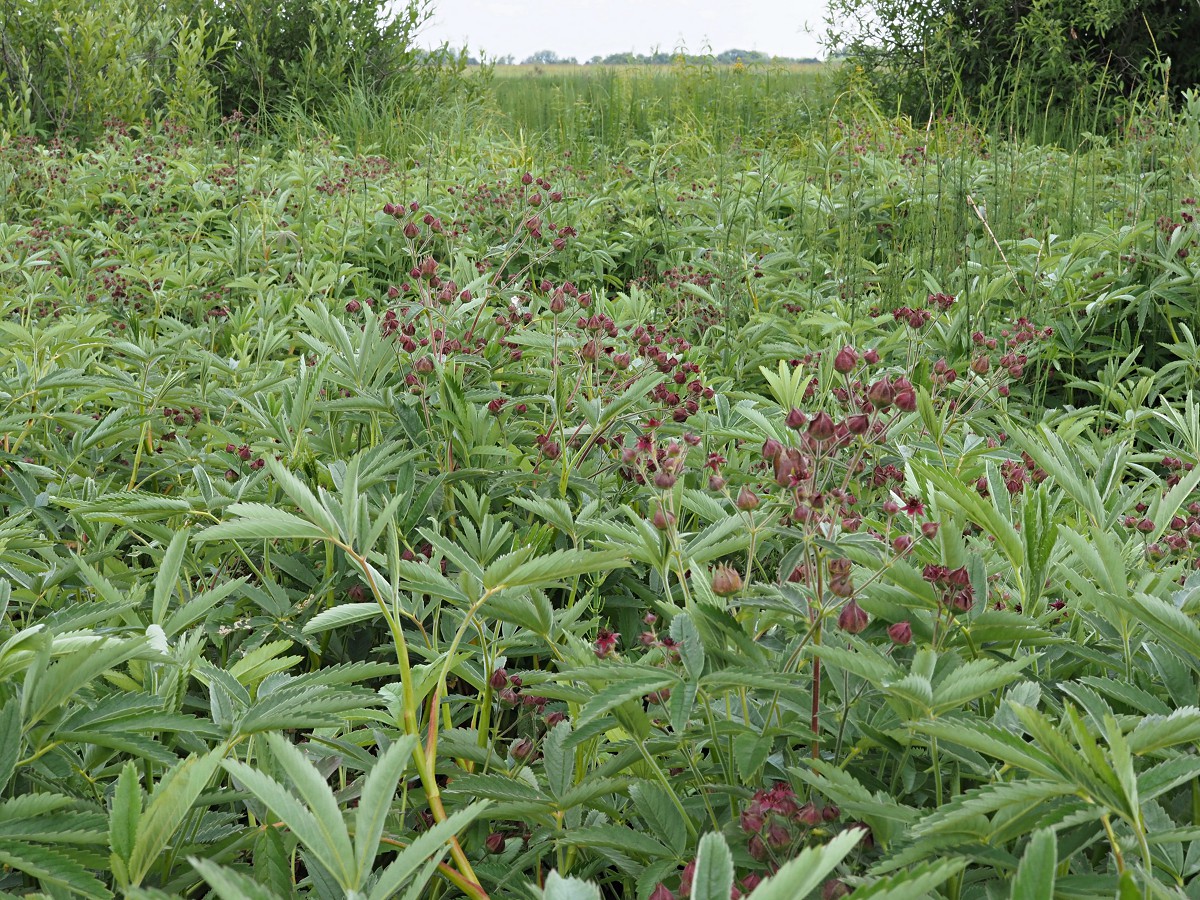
(858, 424)
(747, 500)
(845, 361)
(880, 394)
(853, 618)
(900, 633)
(726, 581)
(822, 427)
(796, 419)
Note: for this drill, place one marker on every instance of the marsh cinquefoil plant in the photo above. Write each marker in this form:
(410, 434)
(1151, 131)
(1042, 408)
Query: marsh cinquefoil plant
(716, 520)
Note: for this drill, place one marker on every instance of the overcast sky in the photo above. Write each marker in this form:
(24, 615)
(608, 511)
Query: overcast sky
(586, 28)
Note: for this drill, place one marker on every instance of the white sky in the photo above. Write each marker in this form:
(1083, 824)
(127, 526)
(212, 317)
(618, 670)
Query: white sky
(586, 28)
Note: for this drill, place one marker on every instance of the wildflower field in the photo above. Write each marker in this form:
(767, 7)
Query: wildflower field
(612, 489)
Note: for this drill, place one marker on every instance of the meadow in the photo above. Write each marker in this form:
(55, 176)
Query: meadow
(621, 484)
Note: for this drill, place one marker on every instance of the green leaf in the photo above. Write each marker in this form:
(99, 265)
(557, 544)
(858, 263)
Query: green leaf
(257, 521)
(168, 805)
(430, 844)
(633, 683)
(691, 648)
(10, 740)
(559, 761)
(919, 881)
(560, 888)
(53, 867)
(713, 879)
(659, 814)
(375, 802)
(1035, 875)
(617, 838)
(340, 616)
(550, 568)
(123, 820)
(317, 795)
(167, 575)
(230, 884)
(327, 841)
(801, 876)
(299, 494)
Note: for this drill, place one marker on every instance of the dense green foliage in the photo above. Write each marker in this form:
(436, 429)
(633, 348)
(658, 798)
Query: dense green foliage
(795, 503)
(70, 66)
(1003, 59)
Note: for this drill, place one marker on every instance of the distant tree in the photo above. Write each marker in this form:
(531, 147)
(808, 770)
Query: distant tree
(541, 58)
(938, 53)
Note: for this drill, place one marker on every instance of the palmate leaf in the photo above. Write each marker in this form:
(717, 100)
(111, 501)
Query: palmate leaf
(303, 822)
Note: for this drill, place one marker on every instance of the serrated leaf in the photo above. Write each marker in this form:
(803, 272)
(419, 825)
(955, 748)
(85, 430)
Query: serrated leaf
(10, 739)
(567, 888)
(801, 876)
(341, 616)
(258, 521)
(125, 815)
(919, 881)
(659, 814)
(691, 648)
(304, 498)
(713, 877)
(375, 802)
(496, 787)
(53, 867)
(1035, 875)
(632, 684)
(335, 854)
(229, 884)
(168, 805)
(550, 568)
(430, 843)
(624, 839)
(559, 762)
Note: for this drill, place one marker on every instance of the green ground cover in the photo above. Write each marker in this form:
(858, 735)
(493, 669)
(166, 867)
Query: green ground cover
(674, 482)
